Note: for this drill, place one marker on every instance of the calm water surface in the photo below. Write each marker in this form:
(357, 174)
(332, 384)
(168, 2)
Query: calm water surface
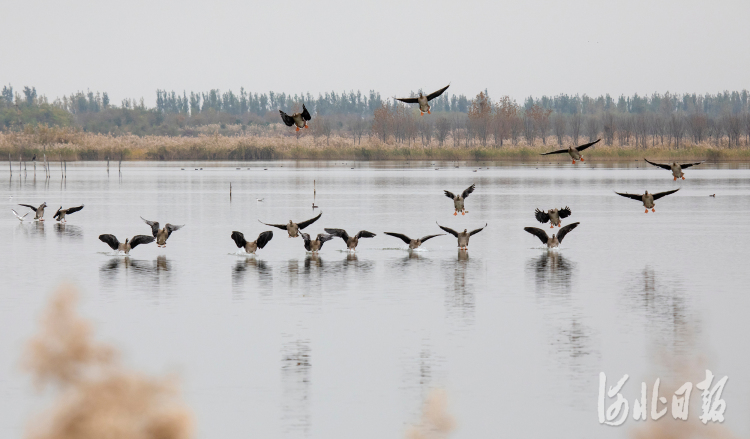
(286, 344)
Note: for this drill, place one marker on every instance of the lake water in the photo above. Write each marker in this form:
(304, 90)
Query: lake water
(284, 344)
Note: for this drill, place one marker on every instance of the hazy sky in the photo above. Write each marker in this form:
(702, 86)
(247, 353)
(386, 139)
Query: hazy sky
(521, 48)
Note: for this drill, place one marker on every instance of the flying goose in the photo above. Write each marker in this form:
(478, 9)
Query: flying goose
(413, 243)
(299, 119)
(351, 241)
(251, 247)
(574, 151)
(458, 200)
(293, 228)
(423, 100)
(648, 199)
(126, 246)
(161, 235)
(20, 218)
(39, 210)
(62, 213)
(553, 216)
(316, 244)
(675, 167)
(554, 241)
(463, 237)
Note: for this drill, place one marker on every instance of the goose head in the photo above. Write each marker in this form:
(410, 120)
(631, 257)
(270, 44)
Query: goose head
(126, 240)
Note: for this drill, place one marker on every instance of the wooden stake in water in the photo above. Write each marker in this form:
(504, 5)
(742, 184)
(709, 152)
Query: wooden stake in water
(230, 191)
(107, 165)
(66, 169)
(10, 165)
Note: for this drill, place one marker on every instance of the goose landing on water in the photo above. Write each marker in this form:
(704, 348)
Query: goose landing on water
(38, 210)
(299, 119)
(316, 244)
(161, 235)
(463, 237)
(647, 199)
(553, 216)
(554, 241)
(675, 167)
(293, 228)
(413, 243)
(62, 213)
(251, 247)
(351, 241)
(458, 200)
(423, 100)
(573, 151)
(126, 246)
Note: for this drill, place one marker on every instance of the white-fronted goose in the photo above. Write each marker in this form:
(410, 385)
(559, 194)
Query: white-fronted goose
(251, 247)
(351, 241)
(299, 119)
(316, 244)
(675, 167)
(553, 216)
(126, 246)
(423, 100)
(38, 210)
(463, 237)
(413, 243)
(647, 199)
(574, 151)
(293, 228)
(20, 218)
(161, 235)
(62, 213)
(458, 200)
(553, 241)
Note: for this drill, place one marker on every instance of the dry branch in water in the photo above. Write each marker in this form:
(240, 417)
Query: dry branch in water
(436, 422)
(98, 398)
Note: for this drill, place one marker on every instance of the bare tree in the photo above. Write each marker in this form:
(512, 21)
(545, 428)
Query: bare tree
(506, 112)
(443, 127)
(480, 116)
(697, 125)
(382, 123)
(576, 122)
(640, 125)
(733, 126)
(676, 128)
(625, 129)
(516, 128)
(592, 128)
(540, 118)
(560, 124)
(529, 130)
(610, 127)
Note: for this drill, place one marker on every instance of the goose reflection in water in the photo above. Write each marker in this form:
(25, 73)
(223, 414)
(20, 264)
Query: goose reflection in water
(149, 272)
(313, 260)
(551, 270)
(35, 229)
(250, 265)
(68, 231)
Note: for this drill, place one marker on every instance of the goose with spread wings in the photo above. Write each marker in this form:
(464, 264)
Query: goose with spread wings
(463, 237)
(647, 199)
(293, 228)
(314, 245)
(554, 240)
(458, 200)
(252, 247)
(299, 119)
(574, 151)
(39, 211)
(423, 100)
(413, 243)
(553, 216)
(126, 246)
(675, 167)
(161, 235)
(62, 213)
(351, 241)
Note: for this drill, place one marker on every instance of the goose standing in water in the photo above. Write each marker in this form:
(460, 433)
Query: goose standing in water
(574, 151)
(458, 200)
(423, 100)
(316, 244)
(675, 167)
(648, 199)
(39, 210)
(293, 228)
(553, 216)
(251, 247)
(554, 241)
(351, 241)
(19, 217)
(126, 246)
(161, 235)
(463, 237)
(299, 119)
(413, 243)
(62, 213)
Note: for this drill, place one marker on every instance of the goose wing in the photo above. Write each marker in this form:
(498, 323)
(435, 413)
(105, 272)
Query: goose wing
(664, 194)
(341, 233)
(400, 236)
(323, 238)
(365, 234)
(450, 195)
(263, 238)
(449, 230)
(110, 240)
(305, 113)
(305, 240)
(633, 196)
(565, 230)
(70, 210)
(288, 120)
(539, 233)
(468, 190)
(409, 100)
(304, 224)
(171, 228)
(239, 239)
(141, 239)
(29, 206)
(425, 238)
(687, 165)
(564, 213)
(435, 94)
(154, 226)
(475, 231)
(542, 217)
(584, 146)
(278, 226)
(660, 165)
(57, 213)
(559, 151)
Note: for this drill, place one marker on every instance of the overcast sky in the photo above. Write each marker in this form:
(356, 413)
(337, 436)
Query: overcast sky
(520, 48)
